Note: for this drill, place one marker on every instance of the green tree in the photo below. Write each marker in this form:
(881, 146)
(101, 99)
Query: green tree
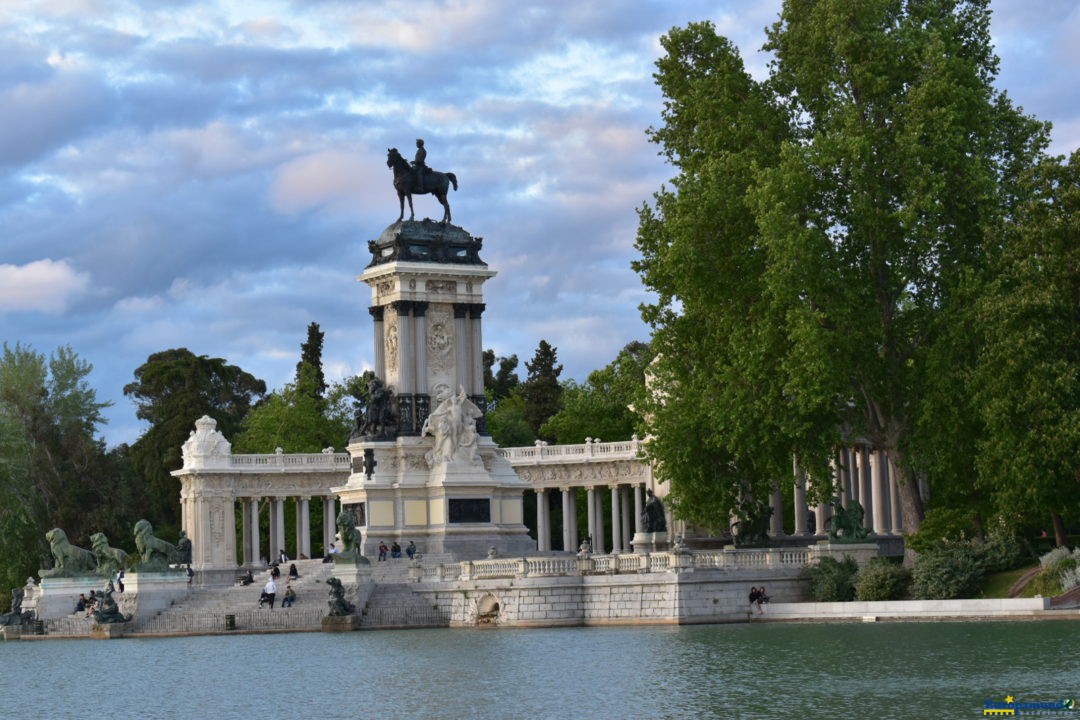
(311, 354)
(601, 408)
(172, 390)
(54, 471)
(499, 383)
(507, 424)
(293, 419)
(541, 390)
(1027, 379)
(823, 224)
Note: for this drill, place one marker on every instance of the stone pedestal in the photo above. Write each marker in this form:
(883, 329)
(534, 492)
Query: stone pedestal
(355, 577)
(56, 597)
(11, 632)
(107, 631)
(148, 593)
(342, 623)
(645, 542)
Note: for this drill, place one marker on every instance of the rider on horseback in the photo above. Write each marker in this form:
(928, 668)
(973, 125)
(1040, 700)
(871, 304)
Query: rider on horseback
(420, 165)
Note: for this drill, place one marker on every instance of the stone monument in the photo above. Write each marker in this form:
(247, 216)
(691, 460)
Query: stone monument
(423, 466)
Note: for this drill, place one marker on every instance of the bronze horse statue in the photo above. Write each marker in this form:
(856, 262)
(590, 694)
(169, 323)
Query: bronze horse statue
(436, 183)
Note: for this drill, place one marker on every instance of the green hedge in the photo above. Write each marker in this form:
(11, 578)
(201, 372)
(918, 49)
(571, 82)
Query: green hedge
(882, 579)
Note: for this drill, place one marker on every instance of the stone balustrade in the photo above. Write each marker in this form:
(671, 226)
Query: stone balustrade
(660, 562)
(543, 454)
(332, 462)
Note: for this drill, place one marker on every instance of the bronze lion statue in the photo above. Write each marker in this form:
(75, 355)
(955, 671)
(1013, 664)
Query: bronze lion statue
(109, 559)
(339, 606)
(68, 560)
(350, 535)
(155, 555)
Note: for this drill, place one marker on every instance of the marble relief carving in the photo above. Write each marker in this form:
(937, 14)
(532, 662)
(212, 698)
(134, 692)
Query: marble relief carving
(391, 343)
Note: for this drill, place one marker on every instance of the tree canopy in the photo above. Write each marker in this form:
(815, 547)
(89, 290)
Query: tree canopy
(820, 240)
(541, 390)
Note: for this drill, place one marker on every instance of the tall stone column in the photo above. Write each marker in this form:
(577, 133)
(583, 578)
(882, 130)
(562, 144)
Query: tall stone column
(303, 527)
(843, 488)
(245, 531)
(895, 514)
(543, 521)
(624, 505)
(575, 540)
(877, 481)
(866, 492)
(600, 546)
(329, 521)
(272, 508)
(638, 527)
(461, 345)
(256, 542)
(380, 341)
(590, 516)
(776, 522)
(477, 350)
(800, 501)
(278, 530)
(850, 459)
(568, 520)
(616, 521)
(420, 343)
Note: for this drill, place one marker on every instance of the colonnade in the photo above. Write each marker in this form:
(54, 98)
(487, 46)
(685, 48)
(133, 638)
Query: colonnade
(620, 525)
(301, 545)
(859, 474)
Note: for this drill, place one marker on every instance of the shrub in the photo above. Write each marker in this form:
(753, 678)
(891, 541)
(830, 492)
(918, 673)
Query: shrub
(881, 579)
(1059, 569)
(1003, 551)
(947, 571)
(1055, 556)
(1070, 579)
(943, 524)
(832, 580)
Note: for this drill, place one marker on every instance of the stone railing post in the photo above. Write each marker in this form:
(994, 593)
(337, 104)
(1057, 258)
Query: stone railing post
(522, 568)
(466, 570)
(682, 562)
(585, 566)
(416, 571)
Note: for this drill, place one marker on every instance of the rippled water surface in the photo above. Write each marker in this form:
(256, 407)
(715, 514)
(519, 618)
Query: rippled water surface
(902, 670)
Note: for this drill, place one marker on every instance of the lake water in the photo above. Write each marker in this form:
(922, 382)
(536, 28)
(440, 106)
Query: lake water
(898, 670)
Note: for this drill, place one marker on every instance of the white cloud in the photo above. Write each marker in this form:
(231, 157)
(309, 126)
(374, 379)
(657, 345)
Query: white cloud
(47, 286)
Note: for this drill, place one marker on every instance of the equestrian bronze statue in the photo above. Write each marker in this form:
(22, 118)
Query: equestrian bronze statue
(408, 183)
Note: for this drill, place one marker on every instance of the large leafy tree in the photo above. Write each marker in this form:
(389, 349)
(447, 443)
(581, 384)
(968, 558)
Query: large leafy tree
(602, 406)
(1027, 379)
(54, 470)
(817, 239)
(172, 390)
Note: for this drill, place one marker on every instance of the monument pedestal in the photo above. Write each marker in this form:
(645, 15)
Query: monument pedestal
(649, 542)
(148, 593)
(107, 631)
(56, 597)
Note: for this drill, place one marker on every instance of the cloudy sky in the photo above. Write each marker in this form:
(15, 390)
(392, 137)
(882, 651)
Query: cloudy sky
(207, 174)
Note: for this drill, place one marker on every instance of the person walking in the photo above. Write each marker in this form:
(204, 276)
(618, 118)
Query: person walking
(269, 592)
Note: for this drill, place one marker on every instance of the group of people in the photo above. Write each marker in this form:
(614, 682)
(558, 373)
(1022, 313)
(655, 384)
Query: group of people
(395, 550)
(758, 597)
(269, 591)
(86, 604)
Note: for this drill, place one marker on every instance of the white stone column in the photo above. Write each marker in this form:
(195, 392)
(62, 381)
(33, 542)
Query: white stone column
(878, 491)
(895, 513)
(303, 527)
(543, 522)
(245, 530)
(477, 354)
(866, 493)
(850, 458)
(567, 520)
(638, 527)
(461, 346)
(624, 505)
(800, 502)
(277, 532)
(616, 521)
(380, 341)
(843, 490)
(600, 546)
(776, 522)
(406, 349)
(590, 516)
(329, 521)
(420, 343)
(256, 551)
(575, 540)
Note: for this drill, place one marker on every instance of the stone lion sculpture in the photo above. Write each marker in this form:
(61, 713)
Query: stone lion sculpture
(108, 611)
(68, 560)
(155, 555)
(339, 606)
(350, 535)
(109, 559)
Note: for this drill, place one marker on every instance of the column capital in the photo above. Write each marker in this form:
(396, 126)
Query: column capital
(476, 310)
(420, 307)
(402, 307)
(376, 312)
(461, 311)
